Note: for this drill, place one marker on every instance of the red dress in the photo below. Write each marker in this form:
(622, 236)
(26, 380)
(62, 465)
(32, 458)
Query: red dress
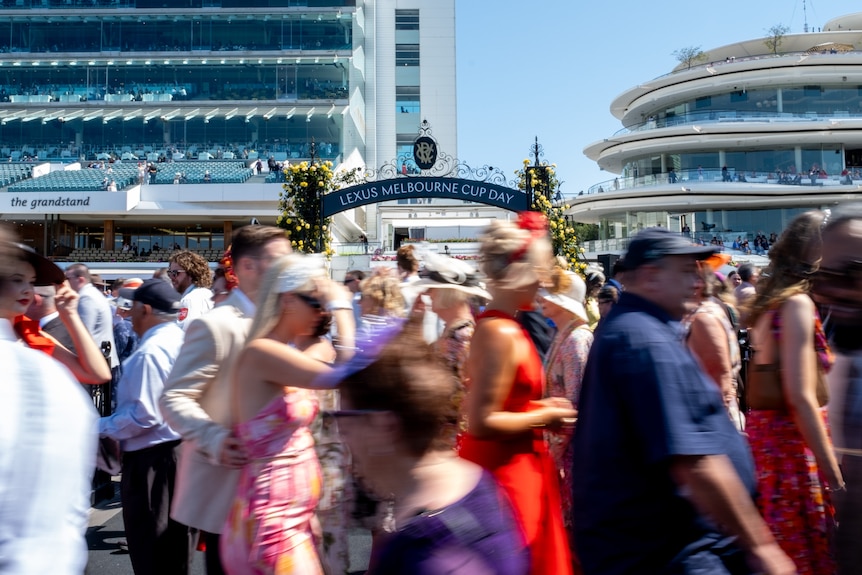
(524, 469)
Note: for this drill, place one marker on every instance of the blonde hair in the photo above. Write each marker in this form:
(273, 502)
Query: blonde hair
(509, 253)
(383, 291)
(792, 260)
(268, 308)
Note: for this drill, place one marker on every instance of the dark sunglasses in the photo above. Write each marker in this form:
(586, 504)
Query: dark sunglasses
(349, 281)
(175, 273)
(310, 301)
(351, 412)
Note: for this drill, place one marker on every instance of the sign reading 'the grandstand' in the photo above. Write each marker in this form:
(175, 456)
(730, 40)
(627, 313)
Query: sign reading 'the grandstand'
(67, 202)
(58, 202)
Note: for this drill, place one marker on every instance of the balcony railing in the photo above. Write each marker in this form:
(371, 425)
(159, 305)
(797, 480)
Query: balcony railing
(713, 175)
(725, 116)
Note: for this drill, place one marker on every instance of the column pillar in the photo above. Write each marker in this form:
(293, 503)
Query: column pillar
(780, 101)
(797, 159)
(228, 232)
(108, 241)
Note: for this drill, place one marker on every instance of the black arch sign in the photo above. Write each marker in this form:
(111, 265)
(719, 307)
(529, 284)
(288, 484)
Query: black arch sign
(424, 187)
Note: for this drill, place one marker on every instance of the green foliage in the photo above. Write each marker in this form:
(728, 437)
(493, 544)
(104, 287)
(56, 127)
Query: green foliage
(543, 180)
(690, 55)
(775, 36)
(300, 204)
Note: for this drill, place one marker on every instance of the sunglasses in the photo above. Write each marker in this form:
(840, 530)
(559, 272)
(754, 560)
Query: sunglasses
(351, 412)
(310, 301)
(349, 281)
(175, 273)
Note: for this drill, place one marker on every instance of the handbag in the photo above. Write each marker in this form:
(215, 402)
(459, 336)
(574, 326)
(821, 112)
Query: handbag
(763, 389)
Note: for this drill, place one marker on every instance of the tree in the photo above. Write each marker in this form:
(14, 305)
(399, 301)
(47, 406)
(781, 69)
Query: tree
(689, 56)
(300, 204)
(775, 36)
(545, 185)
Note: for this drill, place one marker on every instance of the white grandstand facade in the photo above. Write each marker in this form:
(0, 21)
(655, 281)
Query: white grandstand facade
(736, 144)
(92, 89)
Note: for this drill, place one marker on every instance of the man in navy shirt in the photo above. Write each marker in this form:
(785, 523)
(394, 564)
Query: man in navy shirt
(662, 479)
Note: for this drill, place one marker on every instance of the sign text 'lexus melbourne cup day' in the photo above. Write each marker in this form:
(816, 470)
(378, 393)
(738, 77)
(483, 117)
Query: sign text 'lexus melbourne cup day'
(424, 187)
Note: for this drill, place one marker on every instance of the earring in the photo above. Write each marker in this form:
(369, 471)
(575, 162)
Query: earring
(388, 523)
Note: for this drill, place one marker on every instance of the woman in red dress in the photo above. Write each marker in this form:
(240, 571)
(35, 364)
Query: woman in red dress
(506, 414)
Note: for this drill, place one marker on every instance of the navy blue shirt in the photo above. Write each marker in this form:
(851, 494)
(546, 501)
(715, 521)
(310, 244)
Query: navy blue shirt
(644, 400)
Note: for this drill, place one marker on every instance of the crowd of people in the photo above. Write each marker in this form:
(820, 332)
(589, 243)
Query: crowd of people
(677, 414)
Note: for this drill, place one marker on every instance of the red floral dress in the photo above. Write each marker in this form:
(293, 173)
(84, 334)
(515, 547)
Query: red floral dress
(791, 497)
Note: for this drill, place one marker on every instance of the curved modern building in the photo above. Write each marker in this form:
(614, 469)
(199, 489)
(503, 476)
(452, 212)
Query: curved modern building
(735, 144)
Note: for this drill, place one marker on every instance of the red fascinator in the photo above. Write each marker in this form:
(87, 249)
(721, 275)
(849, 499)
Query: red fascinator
(226, 262)
(534, 222)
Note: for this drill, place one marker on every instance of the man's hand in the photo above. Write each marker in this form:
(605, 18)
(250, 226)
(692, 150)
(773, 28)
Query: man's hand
(233, 453)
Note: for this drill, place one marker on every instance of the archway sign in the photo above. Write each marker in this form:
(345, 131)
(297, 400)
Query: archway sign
(428, 175)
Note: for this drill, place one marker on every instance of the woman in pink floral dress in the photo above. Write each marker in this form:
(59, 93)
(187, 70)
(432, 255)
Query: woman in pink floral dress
(269, 528)
(564, 368)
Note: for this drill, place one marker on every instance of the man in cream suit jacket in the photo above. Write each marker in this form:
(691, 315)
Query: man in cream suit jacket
(197, 403)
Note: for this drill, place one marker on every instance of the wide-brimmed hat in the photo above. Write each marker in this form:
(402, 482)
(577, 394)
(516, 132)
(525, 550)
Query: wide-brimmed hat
(572, 299)
(47, 272)
(443, 272)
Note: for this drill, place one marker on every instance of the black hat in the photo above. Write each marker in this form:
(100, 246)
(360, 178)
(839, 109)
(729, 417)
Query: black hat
(653, 244)
(155, 292)
(47, 272)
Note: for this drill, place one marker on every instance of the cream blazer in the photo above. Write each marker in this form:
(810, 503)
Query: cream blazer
(197, 404)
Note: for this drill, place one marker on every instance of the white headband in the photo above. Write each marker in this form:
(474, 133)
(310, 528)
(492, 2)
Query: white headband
(301, 273)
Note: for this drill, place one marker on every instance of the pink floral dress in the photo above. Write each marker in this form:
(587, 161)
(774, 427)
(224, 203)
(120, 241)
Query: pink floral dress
(564, 373)
(268, 529)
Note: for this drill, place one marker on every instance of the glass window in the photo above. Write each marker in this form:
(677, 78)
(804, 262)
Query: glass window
(407, 19)
(407, 54)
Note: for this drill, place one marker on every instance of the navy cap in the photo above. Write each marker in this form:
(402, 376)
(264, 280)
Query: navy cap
(154, 292)
(653, 244)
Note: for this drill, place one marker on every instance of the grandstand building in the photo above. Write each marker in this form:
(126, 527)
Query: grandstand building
(140, 122)
(735, 144)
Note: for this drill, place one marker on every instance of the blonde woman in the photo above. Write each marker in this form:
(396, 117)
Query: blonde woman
(796, 466)
(563, 304)
(269, 527)
(506, 415)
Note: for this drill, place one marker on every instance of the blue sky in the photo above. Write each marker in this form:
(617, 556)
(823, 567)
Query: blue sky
(550, 68)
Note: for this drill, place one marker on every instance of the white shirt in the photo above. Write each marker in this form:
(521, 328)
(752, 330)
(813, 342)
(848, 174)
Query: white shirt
(47, 457)
(47, 318)
(195, 302)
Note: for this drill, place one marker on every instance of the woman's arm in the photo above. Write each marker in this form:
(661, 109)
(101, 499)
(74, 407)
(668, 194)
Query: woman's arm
(707, 340)
(265, 359)
(89, 365)
(799, 380)
(495, 353)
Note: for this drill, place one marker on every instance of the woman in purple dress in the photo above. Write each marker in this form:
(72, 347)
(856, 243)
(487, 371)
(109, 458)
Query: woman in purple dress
(444, 514)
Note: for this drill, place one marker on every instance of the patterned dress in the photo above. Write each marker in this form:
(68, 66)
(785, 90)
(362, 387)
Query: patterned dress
(791, 497)
(335, 505)
(268, 530)
(564, 372)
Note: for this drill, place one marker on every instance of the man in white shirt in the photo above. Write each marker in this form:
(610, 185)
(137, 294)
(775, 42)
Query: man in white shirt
(47, 456)
(191, 277)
